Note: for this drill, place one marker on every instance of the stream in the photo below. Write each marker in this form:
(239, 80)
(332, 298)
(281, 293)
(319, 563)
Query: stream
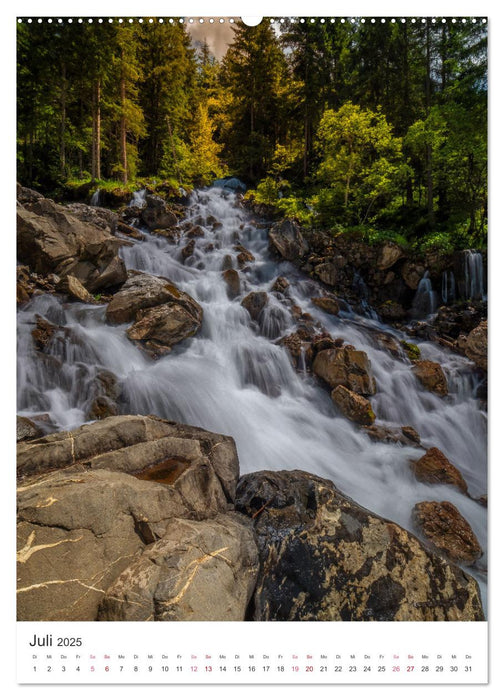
(232, 378)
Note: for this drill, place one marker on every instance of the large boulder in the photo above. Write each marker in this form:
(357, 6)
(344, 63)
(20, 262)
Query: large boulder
(198, 571)
(444, 526)
(53, 239)
(165, 325)
(92, 500)
(99, 216)
(389, 254)
(324, 557)
(435, 468)
(156, 214)
(286, 239)
(163, 315)
(145, 446)
(347, 367)
(431, 375)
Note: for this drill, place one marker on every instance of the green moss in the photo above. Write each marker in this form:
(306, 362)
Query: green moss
(412, 350)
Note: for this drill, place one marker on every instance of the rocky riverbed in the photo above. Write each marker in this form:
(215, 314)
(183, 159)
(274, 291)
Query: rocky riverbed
(353, 486)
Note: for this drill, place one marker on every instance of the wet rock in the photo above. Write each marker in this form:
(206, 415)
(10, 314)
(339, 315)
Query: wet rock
(102, 407)
(476, 346)
(391, 311)
(388, 342)
(43, 333)
(347, 367)
(328, 304)
(129, 231)
(356, 408)
(171, 234)
(232, 280)
(255, 303)
(280, 285)
(435, 468)
(389, 254)
(410, 434)
(156, 214)
(244, 256)
(324, 557)
(130, 214)
(51, 239)
(187, 250)
(70, 285)
(161, 327)
(195, 232)
(431, 375)
(143, 291)
(227, 263)
(285, 237)
(198, 571)
(26, 429)
(299, 346)
(405, 435)
(443, 525)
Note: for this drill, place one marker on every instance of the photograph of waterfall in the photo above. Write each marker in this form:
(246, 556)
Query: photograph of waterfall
(252, 319)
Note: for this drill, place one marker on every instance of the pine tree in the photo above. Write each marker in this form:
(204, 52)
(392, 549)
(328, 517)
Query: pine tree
(255, 73)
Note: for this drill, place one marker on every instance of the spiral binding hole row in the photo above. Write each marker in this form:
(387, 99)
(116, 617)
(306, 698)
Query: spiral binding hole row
(232, 20)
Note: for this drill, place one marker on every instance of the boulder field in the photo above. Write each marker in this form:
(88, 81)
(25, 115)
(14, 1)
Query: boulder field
(139, 518)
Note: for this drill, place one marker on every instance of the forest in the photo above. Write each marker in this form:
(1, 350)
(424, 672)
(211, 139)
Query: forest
(341, 124)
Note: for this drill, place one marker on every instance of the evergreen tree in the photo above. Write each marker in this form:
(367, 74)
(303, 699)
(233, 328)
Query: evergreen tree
(255, 73)
(166, 91)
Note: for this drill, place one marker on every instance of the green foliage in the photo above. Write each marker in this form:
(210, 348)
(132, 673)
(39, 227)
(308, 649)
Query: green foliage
(374, 130)
(360, 162)
(412, 350)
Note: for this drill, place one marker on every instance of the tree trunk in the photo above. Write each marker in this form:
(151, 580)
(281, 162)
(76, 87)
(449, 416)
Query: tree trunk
(122, 127)
(98, 129)
(63, 121)
(96, 137)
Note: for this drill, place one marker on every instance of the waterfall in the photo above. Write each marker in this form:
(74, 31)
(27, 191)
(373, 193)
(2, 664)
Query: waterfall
(473, 275)
(448, 287)
(95, 199)
(425, 301)
(234, 378)
(138, 199)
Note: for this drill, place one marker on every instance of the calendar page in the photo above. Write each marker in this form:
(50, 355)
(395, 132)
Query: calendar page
(251, 288)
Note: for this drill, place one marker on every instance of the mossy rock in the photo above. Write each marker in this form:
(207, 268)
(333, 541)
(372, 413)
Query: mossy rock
(412, 350)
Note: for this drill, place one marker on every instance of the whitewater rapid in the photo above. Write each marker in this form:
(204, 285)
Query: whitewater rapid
(232, 378)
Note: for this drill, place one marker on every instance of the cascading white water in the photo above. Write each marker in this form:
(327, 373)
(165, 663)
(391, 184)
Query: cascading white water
(232, 378)
(138, 199)
(425, 301)
(474, 277)
(95, 199)
(448, 287)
